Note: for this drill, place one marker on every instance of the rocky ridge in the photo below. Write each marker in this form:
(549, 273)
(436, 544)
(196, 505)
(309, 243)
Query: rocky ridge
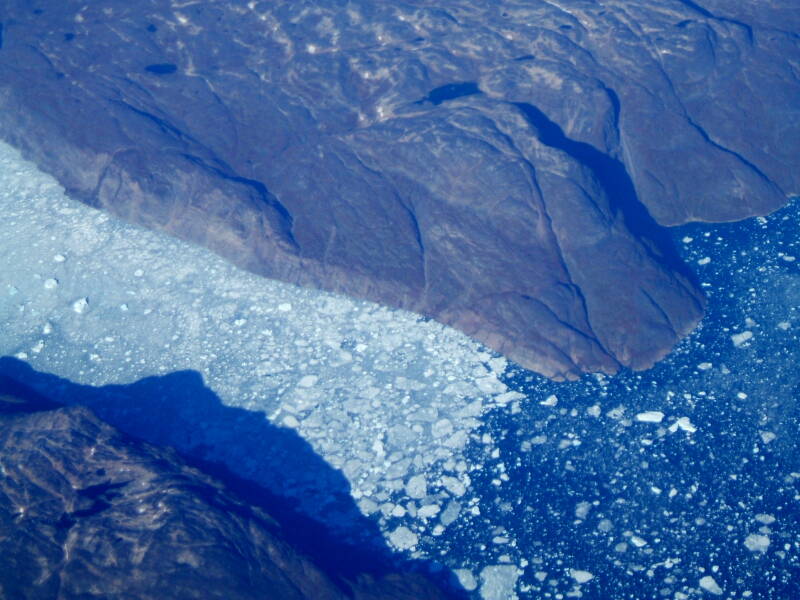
(504, 167)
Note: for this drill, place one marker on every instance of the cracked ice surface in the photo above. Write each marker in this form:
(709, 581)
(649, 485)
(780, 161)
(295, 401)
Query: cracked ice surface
(384, 395)
(681, 482)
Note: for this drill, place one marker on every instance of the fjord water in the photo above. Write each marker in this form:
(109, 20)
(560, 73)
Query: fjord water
(677, 482)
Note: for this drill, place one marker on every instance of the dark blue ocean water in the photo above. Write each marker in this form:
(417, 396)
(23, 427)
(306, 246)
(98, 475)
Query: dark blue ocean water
(649, 508)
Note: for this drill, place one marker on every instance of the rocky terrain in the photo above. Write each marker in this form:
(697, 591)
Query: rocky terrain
(504, 167)
(88, 512)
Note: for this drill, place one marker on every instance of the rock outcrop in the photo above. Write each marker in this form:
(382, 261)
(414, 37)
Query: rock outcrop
(88, 512)
(504, 167)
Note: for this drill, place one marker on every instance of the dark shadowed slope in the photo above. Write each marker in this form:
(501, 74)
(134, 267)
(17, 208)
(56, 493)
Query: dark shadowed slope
(89, 512)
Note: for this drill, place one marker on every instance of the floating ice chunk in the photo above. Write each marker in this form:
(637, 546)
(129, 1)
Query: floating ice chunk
(450, 513)
(765, 519)
(403, 538)
(684, 424)
(453, 485)
(417, 487)
(593, 411)
(704, 366)
(466, 579)
(650, 416)
(767, 436)
(508, 397)
(428, 511)
(551, 400)
(498, 365)
(704, 261)
(709, 584)
(638, 542)
(756, 542)
(285, 307)
(784, 325)
(582, 509)
(490, 385)
(367, 506)
(442, 428)
(498, 582)
(687, 240)
(740, 339)
(581, 576)
(59, 258)
(50, 284)
(80, 305)
(308, 381)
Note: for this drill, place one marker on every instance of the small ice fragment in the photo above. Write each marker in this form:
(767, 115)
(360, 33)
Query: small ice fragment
(291, 422)
(784, 325)
(593, 411)
(453, 485)
(498, 365)
(638, 542)
(765, 519)
(47, 328)
(741, 338)
(684, 424)
(123, 307)
(466, 579)
(490, 385)
(581, 576)
(285, 307)
(741, 396)
(788, 258)
(710, 585)
(498, 582)
(59, 258)
(307, 381)
(551, 400)
(417, 487)
(50, 284)
(650, 416)
(138, 273)
(508, 397)
(767, 436)
(403, 538)
(80, 305)
(756, 542)
(428, 511)
(704, 261)
(582, 509)
(704, 366)
(687, 240)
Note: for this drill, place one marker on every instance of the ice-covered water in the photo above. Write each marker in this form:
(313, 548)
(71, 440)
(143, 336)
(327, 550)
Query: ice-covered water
(680, 482)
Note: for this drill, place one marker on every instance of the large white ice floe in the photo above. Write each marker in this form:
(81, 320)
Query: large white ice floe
(383, 395)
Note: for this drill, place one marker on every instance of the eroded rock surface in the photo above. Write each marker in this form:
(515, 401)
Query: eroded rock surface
(504, 167)
(87, 512)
